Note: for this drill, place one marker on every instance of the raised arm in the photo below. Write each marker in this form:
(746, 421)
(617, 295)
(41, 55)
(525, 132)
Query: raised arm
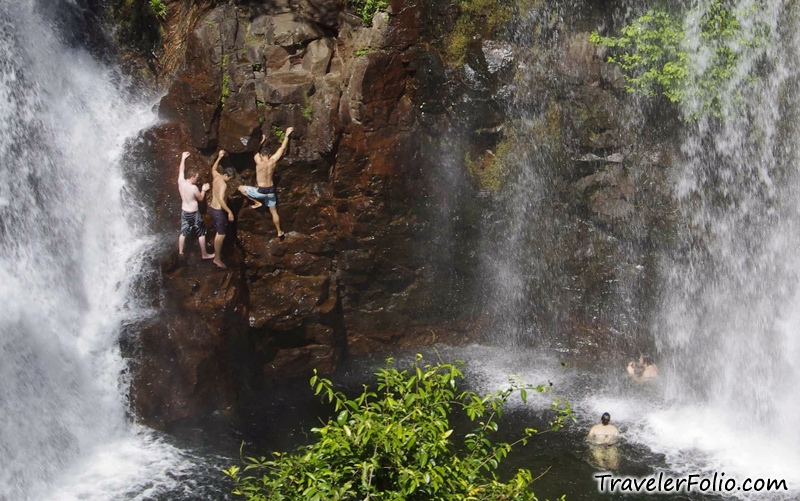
(182, 168)
(278, 154)
(257, 156)
(214, 171)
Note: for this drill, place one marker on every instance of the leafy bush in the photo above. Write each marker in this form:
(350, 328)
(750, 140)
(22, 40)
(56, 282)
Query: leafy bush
(397, 443)
(158, 8)
(365, 9)
(653, 53)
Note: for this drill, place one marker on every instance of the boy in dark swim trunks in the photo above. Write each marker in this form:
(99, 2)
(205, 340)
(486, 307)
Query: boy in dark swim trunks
(218, 208)
(265, 191)
(191, 220)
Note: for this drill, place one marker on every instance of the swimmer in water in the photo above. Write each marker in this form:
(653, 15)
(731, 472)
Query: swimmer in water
(602, 440)
(603, 433)
(645, 370)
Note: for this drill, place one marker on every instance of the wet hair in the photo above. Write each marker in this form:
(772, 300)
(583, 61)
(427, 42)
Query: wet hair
(647, 359)
(229, 172)
(190, 173)
(605, 418)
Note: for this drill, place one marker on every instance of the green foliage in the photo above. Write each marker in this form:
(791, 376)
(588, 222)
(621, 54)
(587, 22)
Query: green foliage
(396, 443)
(225, 82)
(363, 51)
(225, 89)
(653, 53)
(308, 112)
(158, 8)
(278, 132)
(476, 17)
(365, 9)
(653, 56)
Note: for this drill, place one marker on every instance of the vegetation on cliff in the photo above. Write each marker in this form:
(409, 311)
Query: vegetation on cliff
(397, 443)
(476, 17)
(690, 58)
(365, 9)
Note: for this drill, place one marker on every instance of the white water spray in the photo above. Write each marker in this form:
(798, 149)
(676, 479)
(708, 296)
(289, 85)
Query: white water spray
(729, 325)
(69, 253)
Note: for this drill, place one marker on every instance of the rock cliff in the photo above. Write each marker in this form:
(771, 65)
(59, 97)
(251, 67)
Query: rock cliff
(394, 171)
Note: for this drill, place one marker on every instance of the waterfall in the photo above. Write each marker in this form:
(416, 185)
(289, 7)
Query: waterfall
(729, 328)
(723, 311)
(532, 288)
(69, 252)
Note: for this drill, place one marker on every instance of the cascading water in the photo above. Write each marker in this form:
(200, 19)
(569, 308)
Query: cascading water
(532, 288)
(729, 326)
(727, 331)
(69, 254)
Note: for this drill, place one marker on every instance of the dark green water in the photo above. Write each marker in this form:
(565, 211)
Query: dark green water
(282, 417)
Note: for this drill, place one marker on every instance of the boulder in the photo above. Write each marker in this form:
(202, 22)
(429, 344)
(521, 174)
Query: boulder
(290, 29)
(276, 58)
(317, 56)
(377, 82)
(609, 193)
(239, 128)
(286, 88)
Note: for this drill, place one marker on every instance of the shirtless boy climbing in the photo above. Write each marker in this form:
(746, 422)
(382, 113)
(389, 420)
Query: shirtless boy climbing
(265, 191)
(191, 220)
(218, 208)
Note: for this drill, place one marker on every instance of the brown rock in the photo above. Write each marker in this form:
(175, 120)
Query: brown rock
(276, 58)
(285, 88)
(323, 12)
(179, 359)
(283, 300)
(239, 128)
(300, 362)
(290, 29)
(317, 56)
(404, 26)
(178, 371)
(377, 82)
(609, 192)
(194, 102)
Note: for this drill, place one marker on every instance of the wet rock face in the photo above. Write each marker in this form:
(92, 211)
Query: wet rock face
(348, 275)
(551, 116)
(381, 237)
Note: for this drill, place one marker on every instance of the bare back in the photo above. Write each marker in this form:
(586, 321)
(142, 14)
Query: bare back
(218, 188)
(650, 372)
(265, 168)
(189, 195)
(265, 164)
(602, 434)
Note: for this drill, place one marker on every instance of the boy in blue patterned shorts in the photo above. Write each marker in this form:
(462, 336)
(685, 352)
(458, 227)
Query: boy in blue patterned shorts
(265, 191)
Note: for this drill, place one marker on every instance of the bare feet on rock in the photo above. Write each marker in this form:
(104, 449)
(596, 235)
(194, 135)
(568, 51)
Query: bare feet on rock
(220, 264)
(208, 256)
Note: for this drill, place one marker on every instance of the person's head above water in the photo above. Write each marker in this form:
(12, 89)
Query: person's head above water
(605, 418)
(647, 359)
